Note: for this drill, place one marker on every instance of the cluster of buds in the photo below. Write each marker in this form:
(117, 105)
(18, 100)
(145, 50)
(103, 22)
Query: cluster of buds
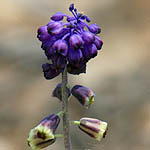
(44, 135)
(72, 43)
(83, 94)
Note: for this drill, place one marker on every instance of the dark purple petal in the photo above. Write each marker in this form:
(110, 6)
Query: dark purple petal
(74, 56)
(50, 71)
(98, 42)
(70, 19)
(59, 62)
(76, 69)
(54, 27)
(83, 94)
(47, 44)
(88, 19)
(71, 7)
(88, 37)
(94, 28)
(58, 91)
(51, 122)
(43, 33)
(61, 47)
(58, 16)
(76, 41)
(50, 53)
(89, 51)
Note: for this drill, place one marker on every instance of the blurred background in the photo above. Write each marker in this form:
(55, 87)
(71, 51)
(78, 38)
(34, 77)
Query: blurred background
(119, 75)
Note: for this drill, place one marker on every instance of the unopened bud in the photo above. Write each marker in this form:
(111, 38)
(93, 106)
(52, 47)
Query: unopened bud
(83, 94)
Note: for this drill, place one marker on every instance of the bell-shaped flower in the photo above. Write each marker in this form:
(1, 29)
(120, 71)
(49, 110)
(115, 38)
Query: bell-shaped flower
(88, 37)
(54, 27)
(76, 41)
(83, 94)
(43, 134)
(94, 28)
(98, 42)
(93, 127)
(50, 71)
(43, 33)
(76, 69)
(89, 51)
(57, 92)
(61, 47)
(75, 56)
(58, 16)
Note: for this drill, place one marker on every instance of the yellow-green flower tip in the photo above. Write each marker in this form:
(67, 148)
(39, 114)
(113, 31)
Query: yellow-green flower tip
(40, 137)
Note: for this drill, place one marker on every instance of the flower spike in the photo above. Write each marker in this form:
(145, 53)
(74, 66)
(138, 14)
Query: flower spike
(71, 40)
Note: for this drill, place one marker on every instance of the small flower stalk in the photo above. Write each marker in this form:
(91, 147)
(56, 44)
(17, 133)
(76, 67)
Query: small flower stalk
(43, 134)
(83, 94)
(69, 43)
(93, 127)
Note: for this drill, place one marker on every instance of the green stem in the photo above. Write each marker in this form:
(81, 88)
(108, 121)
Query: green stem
(66, 126)
(75, 122)
(60, 113)
(59, 135)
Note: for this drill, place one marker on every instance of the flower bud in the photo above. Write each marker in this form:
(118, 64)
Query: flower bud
(58, 91)
(88, 19)
(93, 127)
(58, 16)
(88, 37)
(43, 134)
(75, 56)
(76, 69)
(98, 42)
(61, 47)
(71, 7)
(89, 51)
(43, 33)
(76, 41)
(59, 61)
(83, 94)
(94, 28)
(50, 71)
(54, 27)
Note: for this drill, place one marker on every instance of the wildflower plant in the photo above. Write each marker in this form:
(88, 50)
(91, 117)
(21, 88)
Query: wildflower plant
(69, 42)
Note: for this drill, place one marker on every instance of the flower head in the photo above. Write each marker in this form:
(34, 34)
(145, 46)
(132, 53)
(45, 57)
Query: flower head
(93, 127)
(43, 134)
(74, 39)
(83, 94)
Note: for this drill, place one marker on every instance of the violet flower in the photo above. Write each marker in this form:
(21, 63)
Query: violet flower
(83, 94)
(71, 40)
(57, 92)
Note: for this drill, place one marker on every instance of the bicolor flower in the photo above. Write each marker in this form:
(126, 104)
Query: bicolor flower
(73, 38)
(57, 92)
(83, 94)
(93, 127)
(43, 134)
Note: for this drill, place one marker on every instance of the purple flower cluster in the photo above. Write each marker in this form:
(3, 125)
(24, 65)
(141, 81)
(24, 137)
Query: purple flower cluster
(72, 43)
